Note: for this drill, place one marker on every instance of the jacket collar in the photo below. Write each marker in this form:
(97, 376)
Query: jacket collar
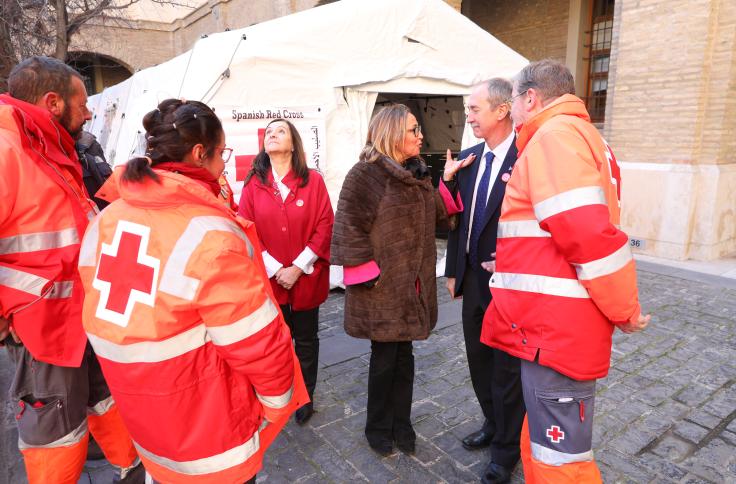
(402, 174)
(566, 104)
(173, 190)
(56, 143)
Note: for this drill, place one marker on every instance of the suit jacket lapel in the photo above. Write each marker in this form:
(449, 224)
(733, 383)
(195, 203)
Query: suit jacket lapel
(467, 185)
(499, 188)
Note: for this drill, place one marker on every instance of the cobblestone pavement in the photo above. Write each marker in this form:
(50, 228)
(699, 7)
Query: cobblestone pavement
(665, 413)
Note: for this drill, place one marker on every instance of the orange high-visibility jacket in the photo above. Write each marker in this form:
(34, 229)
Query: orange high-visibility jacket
(179, 311)
(564, 271)
(44, 210)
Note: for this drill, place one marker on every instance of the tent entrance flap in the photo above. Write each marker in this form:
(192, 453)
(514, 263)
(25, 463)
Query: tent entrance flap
(442, 118)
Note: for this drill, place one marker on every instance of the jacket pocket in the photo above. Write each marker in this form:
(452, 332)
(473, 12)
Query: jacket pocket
(44, 423)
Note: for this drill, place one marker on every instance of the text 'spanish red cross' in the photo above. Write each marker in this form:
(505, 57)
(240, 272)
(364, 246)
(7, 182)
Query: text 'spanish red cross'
(125, 273)
(555, 434)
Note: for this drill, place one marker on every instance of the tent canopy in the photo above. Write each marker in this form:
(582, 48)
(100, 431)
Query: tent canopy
(338, 57)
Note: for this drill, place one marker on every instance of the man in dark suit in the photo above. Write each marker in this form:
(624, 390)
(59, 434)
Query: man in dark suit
(470, 261)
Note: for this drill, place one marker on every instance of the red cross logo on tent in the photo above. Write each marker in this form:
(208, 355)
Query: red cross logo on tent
(244, 162)
(555, 434)
(125, 273)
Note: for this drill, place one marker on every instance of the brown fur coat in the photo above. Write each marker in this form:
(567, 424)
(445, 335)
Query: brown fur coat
(387, 215)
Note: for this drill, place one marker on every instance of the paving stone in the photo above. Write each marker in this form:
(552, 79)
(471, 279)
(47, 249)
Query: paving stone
(448, 470)
(690, 431)
(693, 394)
(723, 402)
(632, 440)
(654, 394)
(673, 448)
(703, 418)
(712, 462)
(370, 465)
(668, 471)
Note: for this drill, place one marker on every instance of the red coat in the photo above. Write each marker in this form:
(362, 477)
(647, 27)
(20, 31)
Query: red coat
(285, 228)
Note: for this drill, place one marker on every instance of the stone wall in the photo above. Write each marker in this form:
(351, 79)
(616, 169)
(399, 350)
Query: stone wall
(537, 29)
(671, 120)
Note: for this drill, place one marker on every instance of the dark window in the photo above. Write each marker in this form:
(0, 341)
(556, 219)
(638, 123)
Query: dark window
(600, 56)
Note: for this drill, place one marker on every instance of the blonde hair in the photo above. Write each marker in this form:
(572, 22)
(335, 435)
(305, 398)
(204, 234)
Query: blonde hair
(386, 134)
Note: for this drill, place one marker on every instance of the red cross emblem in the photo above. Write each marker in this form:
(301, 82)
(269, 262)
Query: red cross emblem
(244, 162)
(555, 434)
(125, 273)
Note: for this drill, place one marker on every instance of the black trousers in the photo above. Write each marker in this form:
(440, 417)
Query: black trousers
(303, 326)
(496, 378)
(390, 389)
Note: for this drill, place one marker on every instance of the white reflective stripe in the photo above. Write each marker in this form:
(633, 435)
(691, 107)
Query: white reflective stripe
(88, 251)
(102, 407)
(151, 351)
(249, 325)
(216, 463)
(605, 266)
(60, 290)
(278, 401)
(173, 279)
(578, 197)
(22, 281)
(71, 438)
(521, 228)
(556, 458)
(553, 286)
(38, 241)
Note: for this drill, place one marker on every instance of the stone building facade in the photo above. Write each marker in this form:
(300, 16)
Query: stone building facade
(659, 77)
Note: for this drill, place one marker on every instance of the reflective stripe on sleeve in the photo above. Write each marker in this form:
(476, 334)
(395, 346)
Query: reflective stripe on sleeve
(553, 286)
(39, 241)
(150, 351)
(245, 327)
(174, 281)
(521, 228)
(556, 458)
(206, 465)
(278, 401)
(578, 197)
(88, 251)
(22, 281)
(73, 437)
(606, 265)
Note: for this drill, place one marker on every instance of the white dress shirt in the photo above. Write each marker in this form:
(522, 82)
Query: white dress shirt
(499, 153)
(306, 259)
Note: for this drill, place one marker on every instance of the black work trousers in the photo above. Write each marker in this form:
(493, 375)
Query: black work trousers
(304, 326)
(496, 378)
(390, 389)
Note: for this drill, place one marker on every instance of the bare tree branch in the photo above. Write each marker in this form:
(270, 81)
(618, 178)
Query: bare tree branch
(46, 27)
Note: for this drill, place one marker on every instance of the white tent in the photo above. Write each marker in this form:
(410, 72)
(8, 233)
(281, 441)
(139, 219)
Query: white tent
(333, 60)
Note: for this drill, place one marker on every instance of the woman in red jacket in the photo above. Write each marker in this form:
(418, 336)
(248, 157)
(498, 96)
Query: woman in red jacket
(293, 216)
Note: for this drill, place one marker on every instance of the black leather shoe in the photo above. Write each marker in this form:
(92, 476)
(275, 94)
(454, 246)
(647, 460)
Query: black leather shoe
(496, 474)
(477, 440)
(303, 414)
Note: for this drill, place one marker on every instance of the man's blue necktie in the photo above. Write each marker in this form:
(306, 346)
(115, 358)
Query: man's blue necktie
(481, 199)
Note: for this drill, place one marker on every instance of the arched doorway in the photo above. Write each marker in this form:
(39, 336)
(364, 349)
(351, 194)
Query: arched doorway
(100, 71)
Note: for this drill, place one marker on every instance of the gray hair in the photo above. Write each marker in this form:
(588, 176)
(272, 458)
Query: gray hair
(499, 90)
(551, 78)
(35, 76)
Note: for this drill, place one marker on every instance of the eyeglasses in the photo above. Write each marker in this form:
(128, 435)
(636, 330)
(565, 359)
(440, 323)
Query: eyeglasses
(511, 99)
(417, 130)
(225, 154)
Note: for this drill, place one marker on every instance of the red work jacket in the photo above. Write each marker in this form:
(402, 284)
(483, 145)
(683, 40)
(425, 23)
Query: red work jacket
(285, 228)
(44, 210)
